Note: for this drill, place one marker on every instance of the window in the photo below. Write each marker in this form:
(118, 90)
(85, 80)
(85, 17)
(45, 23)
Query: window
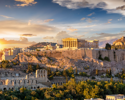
(15, 82)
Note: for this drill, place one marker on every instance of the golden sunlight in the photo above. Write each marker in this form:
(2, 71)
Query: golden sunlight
(1, 46)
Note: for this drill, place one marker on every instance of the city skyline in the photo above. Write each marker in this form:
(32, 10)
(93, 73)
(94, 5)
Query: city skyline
(25, 22)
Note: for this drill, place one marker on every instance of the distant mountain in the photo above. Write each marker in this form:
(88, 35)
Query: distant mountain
(42, 44)
(103, 43)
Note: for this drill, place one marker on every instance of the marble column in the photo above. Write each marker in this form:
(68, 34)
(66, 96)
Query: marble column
(74, 43)
(68, 43)
(65, 43)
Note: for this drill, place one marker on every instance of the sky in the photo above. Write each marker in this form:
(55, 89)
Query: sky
(26, 22)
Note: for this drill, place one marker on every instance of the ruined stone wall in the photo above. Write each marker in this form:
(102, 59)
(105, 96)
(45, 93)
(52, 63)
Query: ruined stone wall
(29, 82)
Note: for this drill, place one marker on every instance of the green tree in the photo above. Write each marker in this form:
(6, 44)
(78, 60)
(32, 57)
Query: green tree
(64, 73)
(111, 80)
(108, 46)
(66, 79)
(123, 71)
(121, 81)
(30, 68)
(96, 72)
(110, 72)
(48, 71)
(107, 72)
(76, 71)
(37, 66)
(22, 89)
(72, 76)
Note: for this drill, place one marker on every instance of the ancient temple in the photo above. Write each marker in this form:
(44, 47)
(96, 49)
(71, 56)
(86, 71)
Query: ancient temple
(79, 43)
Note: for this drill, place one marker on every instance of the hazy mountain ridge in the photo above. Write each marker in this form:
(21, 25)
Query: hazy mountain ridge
(103, 43)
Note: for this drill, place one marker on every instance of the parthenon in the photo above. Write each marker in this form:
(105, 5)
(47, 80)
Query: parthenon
(79, 43)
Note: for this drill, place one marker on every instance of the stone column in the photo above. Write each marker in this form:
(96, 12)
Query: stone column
(74, 43)
(68, 43)
(71, 43)
(65, 43)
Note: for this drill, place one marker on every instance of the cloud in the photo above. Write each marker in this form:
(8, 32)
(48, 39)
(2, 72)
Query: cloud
(109, 21)
(90, 26)
(83, 18)
(29, 22)
(6, 16)
(91, 14)
(22, 40)
(106, 36)
(48, 37)
(89, 20)
(7, 6)
(26, 2)
(48, 20)
(111, 6)
(40, 21)
(18, 27)
(121, 7)
(72, 29)
(61, 35)
(120, 19)
(27, 35)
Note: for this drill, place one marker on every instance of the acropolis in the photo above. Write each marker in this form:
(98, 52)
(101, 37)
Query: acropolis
(79, 43)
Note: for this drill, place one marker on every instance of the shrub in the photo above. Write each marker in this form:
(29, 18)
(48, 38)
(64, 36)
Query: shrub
(93, 77)
(100, 58)
(86, 68)
(102, 76)
(107, 59)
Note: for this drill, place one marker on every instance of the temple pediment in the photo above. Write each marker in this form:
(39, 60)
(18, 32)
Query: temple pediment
(70, 39)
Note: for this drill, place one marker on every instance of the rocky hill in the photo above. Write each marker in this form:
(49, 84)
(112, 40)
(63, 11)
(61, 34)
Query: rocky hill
(65, 59)
(41, 45)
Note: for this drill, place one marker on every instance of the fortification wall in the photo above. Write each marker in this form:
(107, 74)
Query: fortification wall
(113, 55)
(4, 57)
(89, 53)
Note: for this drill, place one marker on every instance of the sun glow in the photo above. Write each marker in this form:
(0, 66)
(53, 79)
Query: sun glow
(1, 46)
